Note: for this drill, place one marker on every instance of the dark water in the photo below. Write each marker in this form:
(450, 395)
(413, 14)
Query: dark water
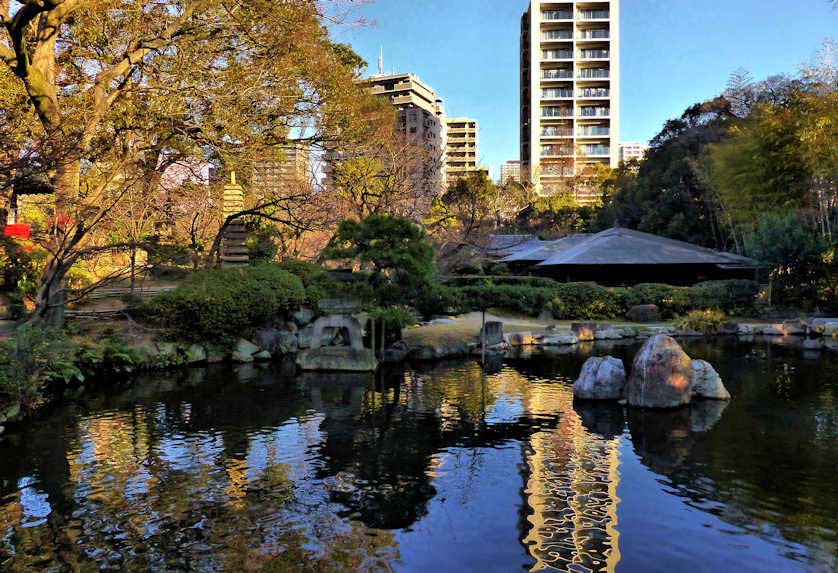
(431, 470)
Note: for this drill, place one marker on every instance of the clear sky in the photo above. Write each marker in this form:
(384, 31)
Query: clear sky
(674, 53)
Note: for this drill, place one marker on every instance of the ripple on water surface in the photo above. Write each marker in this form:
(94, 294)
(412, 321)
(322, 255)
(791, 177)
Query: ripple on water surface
(433, 469)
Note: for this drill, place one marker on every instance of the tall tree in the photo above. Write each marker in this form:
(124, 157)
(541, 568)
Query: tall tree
(101, 87)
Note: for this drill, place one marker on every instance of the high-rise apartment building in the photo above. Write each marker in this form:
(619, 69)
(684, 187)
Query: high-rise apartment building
(632, 150)
(283, 170)
(460, 148)
(570, 90)
(419, 115)
(510, 171)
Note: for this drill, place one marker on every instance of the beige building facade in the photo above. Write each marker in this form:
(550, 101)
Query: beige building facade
(286, 169)
(461, 143)
(570, 92)
(510, 171)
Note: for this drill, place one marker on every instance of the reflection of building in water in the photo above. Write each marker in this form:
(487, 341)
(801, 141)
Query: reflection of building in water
(571, 489)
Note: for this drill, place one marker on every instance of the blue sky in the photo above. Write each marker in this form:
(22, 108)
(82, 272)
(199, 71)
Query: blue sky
(674, 53)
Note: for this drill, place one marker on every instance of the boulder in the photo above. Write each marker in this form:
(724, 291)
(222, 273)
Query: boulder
(584, 331)
(494, 333)
(661, 375)
(396, 353)
(707, 383)
(822, 321)
(268, 338)
(608, 334)
(216, 356)
(746, 329)
(338, 359)
(244, 351)
(644, 313)
(303, 317)
(521, 339)
(602, 378)
(813, 344)
(795, 328)
(830, 329)
(660, 330)
(546, 316)
(262, 356)
(566, 339)
(304, 337)
(196, 354)
(628, 332)
(772, 330)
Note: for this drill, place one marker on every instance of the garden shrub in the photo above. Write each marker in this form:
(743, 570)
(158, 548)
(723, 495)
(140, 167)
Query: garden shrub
(319, 284)
(31, 361)
(226, 303)
(586, 301)
(704, 321)
(439, 300)
(481, 280)
(524, 299)
(731, 296)
(394, 319)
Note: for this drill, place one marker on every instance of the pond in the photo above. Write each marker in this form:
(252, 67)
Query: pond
(431, 469)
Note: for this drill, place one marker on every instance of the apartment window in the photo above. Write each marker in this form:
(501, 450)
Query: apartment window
(557, 35)
(552, 93)
(555, 112)
(594, 54)
(593, 73)
(557, 74)
(557, 15)
(594, 34)
(594, 92)
(557, 54)
(592, 111)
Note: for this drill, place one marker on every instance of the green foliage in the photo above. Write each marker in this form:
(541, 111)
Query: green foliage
(590, 301)
(107, 357)
(670, 300)
(480, 280)
(226, 303)
(733, 296)
(704, 321)
(396, 251)
(32, 361)
(439, 300)
(318, 283)
(523, 299)
(394, 319)
(782, 242)
(586, 301)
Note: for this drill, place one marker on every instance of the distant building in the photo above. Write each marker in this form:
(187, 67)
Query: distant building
(632, 150)
(284, 169)
(511, 170)
(461, 148)
(570, 90)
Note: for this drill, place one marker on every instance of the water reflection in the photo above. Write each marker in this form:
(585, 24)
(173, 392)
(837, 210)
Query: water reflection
(259, 469)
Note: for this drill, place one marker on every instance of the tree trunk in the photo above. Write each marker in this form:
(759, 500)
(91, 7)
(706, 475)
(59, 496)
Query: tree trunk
(51, 297)
(133, 268)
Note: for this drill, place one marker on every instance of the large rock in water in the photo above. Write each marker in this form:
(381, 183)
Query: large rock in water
(661, 375)
(494, 333)
(707, 383)
(602, 378)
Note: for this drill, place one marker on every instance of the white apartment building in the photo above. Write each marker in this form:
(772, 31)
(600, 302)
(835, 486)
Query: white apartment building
(632, 150)
(570, 91)
(510, 171)
(461, 141)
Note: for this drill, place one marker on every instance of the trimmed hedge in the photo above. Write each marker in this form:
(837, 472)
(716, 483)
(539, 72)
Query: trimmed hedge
(226, 303)
(590, 301)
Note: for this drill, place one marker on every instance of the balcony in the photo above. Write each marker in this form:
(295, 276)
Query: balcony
(556, 75)
(594, 111)
(594, 131)
(549, 112)
(594, 35)
(556, 151)
(552, 35)
(594, 54)
(593, 74)
(556, 93)
(550, 55)
(594, 15)
(556, 15)
(556, 132)
(594, 93)
(595, 151)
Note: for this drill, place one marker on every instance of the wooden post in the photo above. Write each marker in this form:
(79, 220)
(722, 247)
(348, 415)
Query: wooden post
(372, 334)
(383, 336)
(483, 340)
